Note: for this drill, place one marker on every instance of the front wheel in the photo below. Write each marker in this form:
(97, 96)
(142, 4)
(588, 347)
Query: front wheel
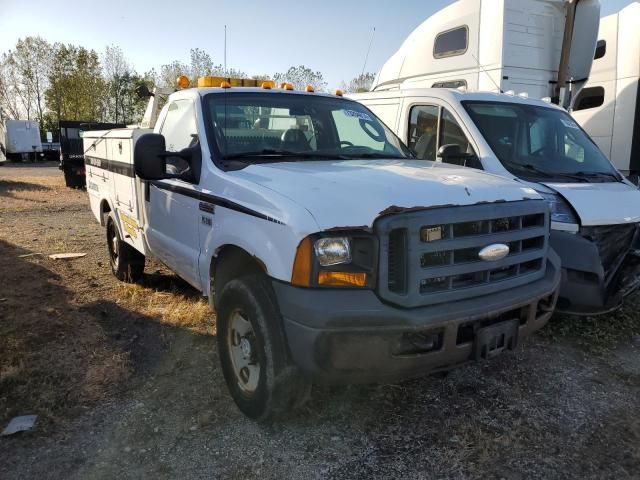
(253, 352)
(127, 264)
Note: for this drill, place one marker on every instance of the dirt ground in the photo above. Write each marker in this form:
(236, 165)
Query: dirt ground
(127, 384)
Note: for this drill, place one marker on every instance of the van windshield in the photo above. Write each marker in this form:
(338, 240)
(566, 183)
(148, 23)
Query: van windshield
(276, 127)
(540, 143)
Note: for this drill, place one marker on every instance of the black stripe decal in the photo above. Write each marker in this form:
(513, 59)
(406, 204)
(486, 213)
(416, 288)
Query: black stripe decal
(207, 207)
(212, 199)
(121, 168)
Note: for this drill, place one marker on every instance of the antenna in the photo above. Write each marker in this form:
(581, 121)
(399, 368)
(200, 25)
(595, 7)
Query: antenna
(225, 49)
(487, 73)
(366, 57)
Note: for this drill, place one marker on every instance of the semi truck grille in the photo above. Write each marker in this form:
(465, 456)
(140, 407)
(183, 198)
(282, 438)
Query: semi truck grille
(433, 256)
(613, 242)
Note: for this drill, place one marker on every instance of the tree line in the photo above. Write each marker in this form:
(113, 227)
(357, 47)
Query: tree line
(49, 82)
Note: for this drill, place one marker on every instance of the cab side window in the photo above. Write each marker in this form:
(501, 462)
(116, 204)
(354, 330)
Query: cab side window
(430, 128)
(179, 126)
(423, 131)
(451, 133)
(179, 131)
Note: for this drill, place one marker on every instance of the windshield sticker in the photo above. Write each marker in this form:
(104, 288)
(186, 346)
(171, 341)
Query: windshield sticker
(360, 115)
(569, 123)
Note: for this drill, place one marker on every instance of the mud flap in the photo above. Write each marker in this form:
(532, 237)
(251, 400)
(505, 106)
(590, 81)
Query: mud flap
(491, 341)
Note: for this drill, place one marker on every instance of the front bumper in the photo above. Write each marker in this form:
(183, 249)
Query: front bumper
(585, 288)
(350, 336)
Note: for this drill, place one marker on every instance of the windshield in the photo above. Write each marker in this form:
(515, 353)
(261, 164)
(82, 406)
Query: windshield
(540, 143)
(259, 127)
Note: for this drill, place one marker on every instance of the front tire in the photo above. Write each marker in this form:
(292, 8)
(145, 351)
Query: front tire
(127, 264)
(253, 353)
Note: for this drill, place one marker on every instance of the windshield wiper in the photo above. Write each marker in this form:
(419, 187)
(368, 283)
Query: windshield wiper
(545, 173)
(530, 168)
(375, 155)
(598, 175)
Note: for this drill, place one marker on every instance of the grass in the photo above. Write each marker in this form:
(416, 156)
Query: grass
(30, 193)
(597, 334)
(174, 307)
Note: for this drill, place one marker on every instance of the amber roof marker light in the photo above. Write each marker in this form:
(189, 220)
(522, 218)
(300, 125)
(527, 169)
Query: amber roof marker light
(182, 82)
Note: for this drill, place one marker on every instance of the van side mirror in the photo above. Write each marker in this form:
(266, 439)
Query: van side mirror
(454, 155)
(149, 159)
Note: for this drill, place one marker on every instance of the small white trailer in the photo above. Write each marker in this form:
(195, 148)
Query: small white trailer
(532, 46)
(608, 108)
(20, 139)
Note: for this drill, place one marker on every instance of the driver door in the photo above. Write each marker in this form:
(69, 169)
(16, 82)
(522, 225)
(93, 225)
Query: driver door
(172, 205)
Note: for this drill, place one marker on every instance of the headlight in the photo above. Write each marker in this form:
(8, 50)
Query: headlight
(349, 261)
(561, 211)
(333, 251)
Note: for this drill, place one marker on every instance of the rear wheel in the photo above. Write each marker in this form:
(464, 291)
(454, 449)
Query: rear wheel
(253, 353)
(127, 264)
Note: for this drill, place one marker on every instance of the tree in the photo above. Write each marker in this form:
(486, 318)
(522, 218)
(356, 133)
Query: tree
(10, 105)
(201, 64)
(32, 61)
(362, 83)
(77, 89)
(116, 70)
(300, 77)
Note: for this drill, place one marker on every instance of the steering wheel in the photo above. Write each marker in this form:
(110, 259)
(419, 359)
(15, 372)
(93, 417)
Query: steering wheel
(345, 143)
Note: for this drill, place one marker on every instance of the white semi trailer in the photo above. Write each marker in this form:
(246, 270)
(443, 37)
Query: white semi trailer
(20, 140)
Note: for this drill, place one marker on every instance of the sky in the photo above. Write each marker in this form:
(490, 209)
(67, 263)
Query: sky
(263, 37)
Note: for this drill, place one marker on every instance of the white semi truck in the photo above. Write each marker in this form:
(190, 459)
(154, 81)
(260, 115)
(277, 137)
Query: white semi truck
(20, 140)
(608, 107)
(328, 252)
(595, 210)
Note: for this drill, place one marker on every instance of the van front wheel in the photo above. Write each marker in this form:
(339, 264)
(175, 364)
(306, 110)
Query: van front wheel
(127, 264)
(253, 353)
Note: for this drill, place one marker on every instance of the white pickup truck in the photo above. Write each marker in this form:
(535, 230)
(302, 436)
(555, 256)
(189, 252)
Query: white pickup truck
(595, 210)
(327, 250)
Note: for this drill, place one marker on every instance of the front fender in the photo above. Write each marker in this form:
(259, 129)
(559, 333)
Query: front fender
(273, 244)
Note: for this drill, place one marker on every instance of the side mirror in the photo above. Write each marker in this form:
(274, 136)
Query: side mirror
(142, 91)
(453, 154)
(149, 157)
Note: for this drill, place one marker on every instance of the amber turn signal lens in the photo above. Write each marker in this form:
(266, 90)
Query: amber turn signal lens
(301, 275)
(342, 279)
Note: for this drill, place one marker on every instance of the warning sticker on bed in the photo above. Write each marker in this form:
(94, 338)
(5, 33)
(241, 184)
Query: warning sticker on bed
(569, 123)
(355, 114)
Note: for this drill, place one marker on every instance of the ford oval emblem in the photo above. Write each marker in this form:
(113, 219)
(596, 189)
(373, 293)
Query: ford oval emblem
(494, 252)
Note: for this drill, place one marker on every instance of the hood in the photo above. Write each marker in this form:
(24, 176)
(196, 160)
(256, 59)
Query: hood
(601, 203)
(353, 193)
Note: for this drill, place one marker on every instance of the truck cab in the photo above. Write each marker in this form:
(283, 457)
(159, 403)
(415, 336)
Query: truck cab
(329, 253)
(595, 210)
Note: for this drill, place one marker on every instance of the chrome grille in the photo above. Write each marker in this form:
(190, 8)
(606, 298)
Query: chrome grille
(431, 256)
